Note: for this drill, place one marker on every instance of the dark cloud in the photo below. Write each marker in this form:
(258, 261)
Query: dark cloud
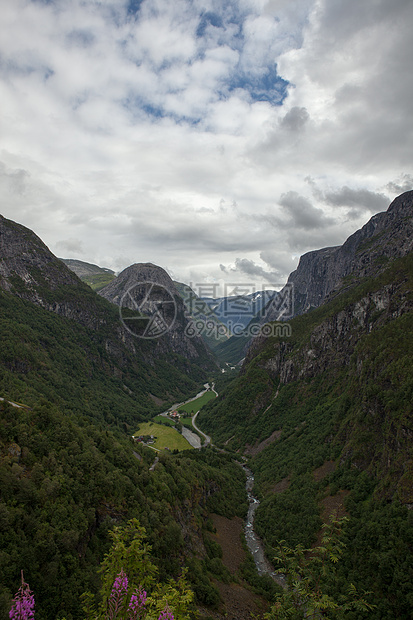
(250, 268)
(302, 213)
(403, 184)
(358, 199)
(295, 119)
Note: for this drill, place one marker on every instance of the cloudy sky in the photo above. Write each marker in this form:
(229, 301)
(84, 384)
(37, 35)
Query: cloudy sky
(220, 139)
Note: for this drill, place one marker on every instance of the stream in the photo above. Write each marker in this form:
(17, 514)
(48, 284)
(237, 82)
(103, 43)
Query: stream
(253, 541)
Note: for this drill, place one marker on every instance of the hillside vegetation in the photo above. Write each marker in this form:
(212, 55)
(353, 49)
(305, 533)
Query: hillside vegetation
(336, 397)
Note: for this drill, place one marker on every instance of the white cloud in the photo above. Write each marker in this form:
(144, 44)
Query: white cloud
(168, 136)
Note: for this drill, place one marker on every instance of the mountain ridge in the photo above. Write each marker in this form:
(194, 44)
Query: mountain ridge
(326, 415)
(320, 273)
(149, 288)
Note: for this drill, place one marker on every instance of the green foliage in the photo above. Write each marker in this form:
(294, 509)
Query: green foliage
(97, 281)
(86, 371)
(379, 543)
(310, 575)
(130, 554)
(245, 398)
(292, 515)
(263, 585)
(356, 414)
(65, 485)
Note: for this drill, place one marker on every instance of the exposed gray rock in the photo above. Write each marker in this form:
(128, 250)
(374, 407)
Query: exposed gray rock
(148, 289)
(82, 269)
(321, 274)
(332, 343)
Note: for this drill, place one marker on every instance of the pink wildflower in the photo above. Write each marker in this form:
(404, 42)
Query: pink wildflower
(137, 603)
(23, 603)
(166, 614)
(117, 596)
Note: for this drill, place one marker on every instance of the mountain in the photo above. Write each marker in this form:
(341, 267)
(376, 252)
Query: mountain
(96, 277)
(74, 385)
(160, 312)
(42, 298)
(204, 321)
(325, 410)
(237, 311)
(324, 273)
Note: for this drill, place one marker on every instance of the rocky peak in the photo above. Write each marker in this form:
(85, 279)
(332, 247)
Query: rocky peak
(148, 289)
(24, 255)
(324, 273)
(131, 276)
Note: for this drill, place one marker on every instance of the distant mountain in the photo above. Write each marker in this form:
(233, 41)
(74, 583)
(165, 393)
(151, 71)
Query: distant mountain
(96, 277)
(205, 322)
(323, 273)
(237, 311)
(160, 313)
(39, 285)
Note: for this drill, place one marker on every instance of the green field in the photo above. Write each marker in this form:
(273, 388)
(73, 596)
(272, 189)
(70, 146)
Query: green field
(162, 419)
(196, 405)
(166, 437)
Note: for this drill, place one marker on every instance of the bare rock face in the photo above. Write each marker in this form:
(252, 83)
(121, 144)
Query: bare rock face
(23, 254)
(321, 274)
(149, 291)
(332, 342)
(29, 270)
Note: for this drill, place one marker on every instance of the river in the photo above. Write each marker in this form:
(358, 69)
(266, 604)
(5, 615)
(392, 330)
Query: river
(253, 541)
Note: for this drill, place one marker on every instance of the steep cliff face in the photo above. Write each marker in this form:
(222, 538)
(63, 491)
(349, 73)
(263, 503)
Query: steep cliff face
(331, 343)
(148, 291)
(29, 270)
(343, 377)
(23, 254)
(323, 273)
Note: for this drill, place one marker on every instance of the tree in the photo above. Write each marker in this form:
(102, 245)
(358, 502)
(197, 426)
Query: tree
(311, 580)
(130, 585)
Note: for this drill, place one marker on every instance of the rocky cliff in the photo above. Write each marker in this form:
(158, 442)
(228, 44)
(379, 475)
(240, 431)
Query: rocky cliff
(323, 273)
(24, 255)
(158, 312)
(31, 272)
(344, 371)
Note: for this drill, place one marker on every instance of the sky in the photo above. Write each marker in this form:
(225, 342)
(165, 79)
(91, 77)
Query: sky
(218, 139)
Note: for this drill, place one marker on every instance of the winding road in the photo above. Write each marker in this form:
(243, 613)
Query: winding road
(192, 438)
(207, 437)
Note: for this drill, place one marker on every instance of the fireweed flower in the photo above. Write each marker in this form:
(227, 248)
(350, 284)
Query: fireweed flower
(136, 604)
(117, 596)
(166, 614)
(23, 603)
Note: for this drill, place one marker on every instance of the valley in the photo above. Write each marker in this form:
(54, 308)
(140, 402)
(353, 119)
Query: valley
(319, 416)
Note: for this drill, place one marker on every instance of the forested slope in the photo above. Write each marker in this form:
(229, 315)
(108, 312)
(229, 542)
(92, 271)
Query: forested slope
(69, 470)
(326, 416)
